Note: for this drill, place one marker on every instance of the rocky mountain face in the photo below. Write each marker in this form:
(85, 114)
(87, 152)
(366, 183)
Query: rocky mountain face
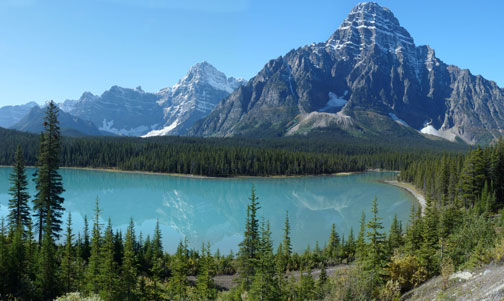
(193, 98)
(10, 115)
(171, 111)
(368, 78)
(70, 125)
(121, 111)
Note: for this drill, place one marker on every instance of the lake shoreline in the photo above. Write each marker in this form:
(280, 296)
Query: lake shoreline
(419, 196)
(203, 177)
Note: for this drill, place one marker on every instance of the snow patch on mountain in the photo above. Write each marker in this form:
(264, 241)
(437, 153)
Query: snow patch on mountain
(333, 102)
(108, 126)
(429, 129)
(397, 119)
(162, 132)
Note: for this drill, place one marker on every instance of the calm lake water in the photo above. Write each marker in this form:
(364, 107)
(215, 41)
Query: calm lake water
(214, 210)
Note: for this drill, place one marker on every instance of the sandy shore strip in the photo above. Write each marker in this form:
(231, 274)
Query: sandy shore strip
(411, 189)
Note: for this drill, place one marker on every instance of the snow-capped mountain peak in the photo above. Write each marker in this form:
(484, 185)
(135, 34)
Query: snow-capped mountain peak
(370, 25)
(205, 73)
(193, 97)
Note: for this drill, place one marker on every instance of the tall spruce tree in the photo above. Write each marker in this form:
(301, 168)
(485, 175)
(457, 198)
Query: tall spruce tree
(178, 281)
(472, 177)
(67, 267)
(108, 268)
(430, 238)
(265, 285)
(129, 267)
(205, 286)
(47, 282)
(360, 251)
(48, 181)
(92, 273)
(85, 251)
(19, 210)
(4, 258)
(284, 256)
(249, 247)
(156, 257)
(333, 246)
(376, 256)
(395, 235)
(16, 268)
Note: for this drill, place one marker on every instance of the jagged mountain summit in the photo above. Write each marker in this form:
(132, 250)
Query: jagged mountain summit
(193, 98)
(368, 78)
(171, 111)
(121, 111)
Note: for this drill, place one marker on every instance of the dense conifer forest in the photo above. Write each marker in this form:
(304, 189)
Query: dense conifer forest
(223, 157)
(42, 257)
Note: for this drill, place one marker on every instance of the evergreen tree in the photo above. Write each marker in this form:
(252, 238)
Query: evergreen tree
(322, 283)
(472, 178)
(204, 284)
(376, 258)
(444, 179)
(68, 268)
(286, 244)
(413, 236)
(178, 281)
(264, 285)
(430, 239)
(47, 282)
(19, 211)
(334, 244)
(92, 274)
(249, 247)
(86, 245)
(395, 235)
(129, 267)
(350, 246)
(16, 267)
(108, 268)
(48, 181)
(306, 287)
(156, 258)
(4, 258)
(360, 251)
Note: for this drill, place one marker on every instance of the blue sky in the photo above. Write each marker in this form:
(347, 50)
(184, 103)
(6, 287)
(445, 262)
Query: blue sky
(58, 49)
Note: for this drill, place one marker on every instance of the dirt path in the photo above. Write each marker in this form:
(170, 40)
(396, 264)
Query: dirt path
(226, 282)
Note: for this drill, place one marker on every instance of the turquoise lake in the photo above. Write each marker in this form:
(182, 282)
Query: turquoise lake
(214, 210)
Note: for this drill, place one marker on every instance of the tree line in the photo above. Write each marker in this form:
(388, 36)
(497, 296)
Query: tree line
(224, 157)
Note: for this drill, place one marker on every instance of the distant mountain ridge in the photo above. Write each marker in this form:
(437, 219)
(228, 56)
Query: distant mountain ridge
(134, 112)
(171, 111)
(10, 115)
(368, 78)
(69, 124)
